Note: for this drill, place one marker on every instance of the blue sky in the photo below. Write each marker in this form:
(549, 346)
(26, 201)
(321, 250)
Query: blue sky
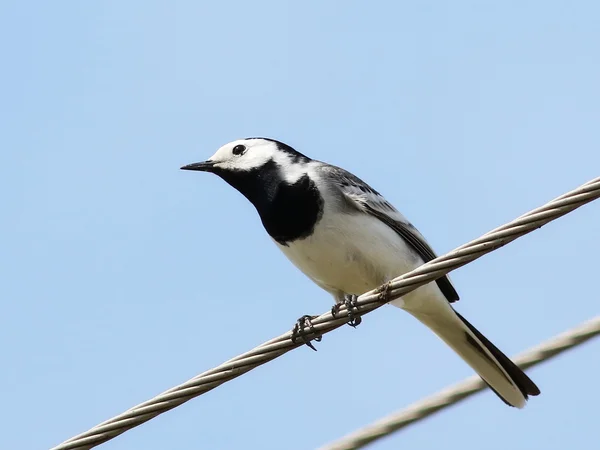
(123, 276)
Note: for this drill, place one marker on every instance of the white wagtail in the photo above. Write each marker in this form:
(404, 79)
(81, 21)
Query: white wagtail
(348, 239)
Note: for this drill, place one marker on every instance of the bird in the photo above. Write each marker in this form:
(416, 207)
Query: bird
(348, 239)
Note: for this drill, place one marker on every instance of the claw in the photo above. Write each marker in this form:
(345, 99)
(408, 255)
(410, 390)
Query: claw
(384, 292)
(350, 303)
(335, 309)
(298, 332)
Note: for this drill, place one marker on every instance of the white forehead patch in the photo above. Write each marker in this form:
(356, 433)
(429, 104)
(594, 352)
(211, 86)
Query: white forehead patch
(258, 152)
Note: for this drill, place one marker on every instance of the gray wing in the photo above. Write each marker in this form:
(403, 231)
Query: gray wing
(363, 197)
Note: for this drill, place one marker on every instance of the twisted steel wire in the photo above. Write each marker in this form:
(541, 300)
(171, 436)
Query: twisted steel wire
(325, 323)
(460, 391)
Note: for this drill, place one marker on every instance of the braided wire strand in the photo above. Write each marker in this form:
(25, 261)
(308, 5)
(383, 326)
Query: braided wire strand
(461, 391)
(325, 323)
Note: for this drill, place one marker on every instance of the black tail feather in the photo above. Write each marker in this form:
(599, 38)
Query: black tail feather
(521, 380)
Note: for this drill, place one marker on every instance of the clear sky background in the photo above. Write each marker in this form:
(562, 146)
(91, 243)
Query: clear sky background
(123, 276)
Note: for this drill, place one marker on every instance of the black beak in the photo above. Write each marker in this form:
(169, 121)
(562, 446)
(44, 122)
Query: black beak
(206, 166)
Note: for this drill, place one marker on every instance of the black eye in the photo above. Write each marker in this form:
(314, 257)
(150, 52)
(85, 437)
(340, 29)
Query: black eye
(239, 149)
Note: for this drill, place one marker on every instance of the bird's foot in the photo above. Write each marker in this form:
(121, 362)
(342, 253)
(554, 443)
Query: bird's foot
(384, 292)
(299, 331)
(350, 303)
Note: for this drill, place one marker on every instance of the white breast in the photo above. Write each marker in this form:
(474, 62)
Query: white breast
(351, 253)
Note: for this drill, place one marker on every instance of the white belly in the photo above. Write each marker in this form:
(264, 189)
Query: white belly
(352, 256)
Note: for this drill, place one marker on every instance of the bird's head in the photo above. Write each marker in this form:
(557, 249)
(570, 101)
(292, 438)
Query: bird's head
(248, 155)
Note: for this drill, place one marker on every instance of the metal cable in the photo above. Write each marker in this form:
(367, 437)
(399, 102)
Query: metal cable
(460, 391)
(325, 323)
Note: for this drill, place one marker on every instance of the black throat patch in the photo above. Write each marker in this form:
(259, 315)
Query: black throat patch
(289, 211)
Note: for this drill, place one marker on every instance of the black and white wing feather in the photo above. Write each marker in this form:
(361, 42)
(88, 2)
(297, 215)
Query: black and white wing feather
(360, 195)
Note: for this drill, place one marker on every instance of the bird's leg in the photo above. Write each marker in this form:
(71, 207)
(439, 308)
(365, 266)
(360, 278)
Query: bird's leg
(298, 332)
(384, 292)
(349, 301)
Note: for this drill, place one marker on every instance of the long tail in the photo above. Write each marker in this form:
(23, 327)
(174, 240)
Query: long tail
(502, 375)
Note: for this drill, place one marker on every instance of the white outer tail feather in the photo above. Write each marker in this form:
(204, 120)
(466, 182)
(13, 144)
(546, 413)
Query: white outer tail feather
(453, 331)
